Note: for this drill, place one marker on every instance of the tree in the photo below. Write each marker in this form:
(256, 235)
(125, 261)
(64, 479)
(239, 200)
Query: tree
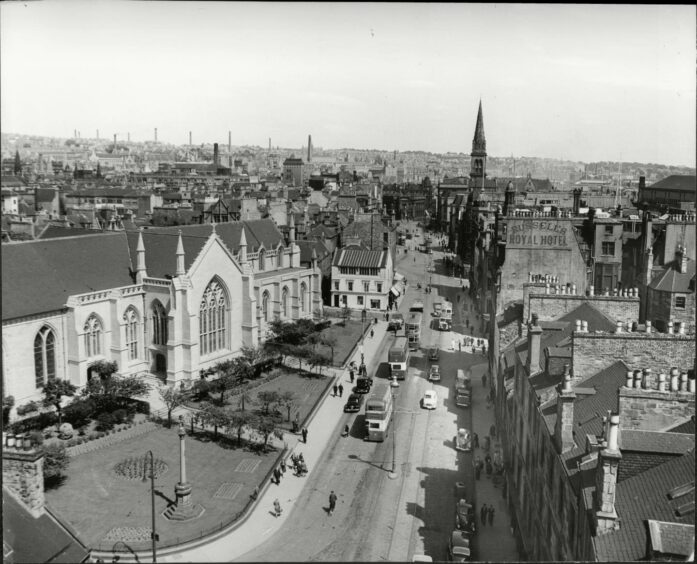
(329, 340)
(172, 399)
(265, 426)
(345, 314)
(108, 388)
(268, 398)
(238, 421)
(226, 378)
(54, 390)
(318, 360)
(288, 400)
(302, 353)
(56, 461)
(245, 397)
(214, 415)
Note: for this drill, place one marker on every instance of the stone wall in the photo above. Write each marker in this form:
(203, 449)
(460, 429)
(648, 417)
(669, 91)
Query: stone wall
(550, 307)
(593, 352)
(653, 410)
(23, 474)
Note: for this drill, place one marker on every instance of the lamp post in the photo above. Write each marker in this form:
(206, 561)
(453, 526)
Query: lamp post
(393, 473)
(153, 534)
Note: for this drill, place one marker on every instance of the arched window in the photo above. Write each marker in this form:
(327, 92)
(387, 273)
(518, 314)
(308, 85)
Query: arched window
(262, 259)
(159, 324)
(44, 356)
(212, 318)
(265, 305)
(131, 318)
(284, 302)
(303, 297)
(93, 336)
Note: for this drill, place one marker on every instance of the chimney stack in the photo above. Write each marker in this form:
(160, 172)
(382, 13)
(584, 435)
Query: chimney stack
(156, 135)
(309, 148)
(609, 458)
(229, 142)
(564, 425)
(674, 379)
(128, 136)
(216, 155)
(190, 143)
(114, 141)
(534, 337)
(681, 256)
(577, 201)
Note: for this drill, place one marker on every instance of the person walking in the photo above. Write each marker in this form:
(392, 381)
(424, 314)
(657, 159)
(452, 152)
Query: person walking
(491, 516)
(276, 476)
(484, 380)
(341, 390)
(304, 432)
(475, 439)
(332, 502)
(478, 469)
(459, 345)
(372, 333)
(351, 375)
(482, 514)
(277, 508)
(336, 389)
(283, 465)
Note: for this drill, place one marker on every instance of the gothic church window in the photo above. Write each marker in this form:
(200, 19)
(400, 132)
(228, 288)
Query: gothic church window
(44, 356)
(159, 324)
(93, 336)
(132, 327)
(265, 306)
(303, 297)
(284, 302)
(212, 319)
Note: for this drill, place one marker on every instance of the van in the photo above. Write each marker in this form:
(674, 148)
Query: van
(463, 381)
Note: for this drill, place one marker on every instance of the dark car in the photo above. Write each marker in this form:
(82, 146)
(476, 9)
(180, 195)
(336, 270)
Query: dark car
(363, 385)
(353, 403)
(459, 546)
(464, 516)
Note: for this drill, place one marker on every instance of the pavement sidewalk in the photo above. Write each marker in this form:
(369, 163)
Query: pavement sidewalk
(261, 523)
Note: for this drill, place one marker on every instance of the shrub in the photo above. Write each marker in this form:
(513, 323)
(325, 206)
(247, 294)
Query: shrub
(37, 437)
(105, 422)
(27, 408)
(40, 421)
(120, 415)
(56, 461)
(92, 436)
(79, 412)
(66, 431)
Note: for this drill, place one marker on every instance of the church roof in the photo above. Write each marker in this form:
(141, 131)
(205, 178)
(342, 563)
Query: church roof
(39, 276)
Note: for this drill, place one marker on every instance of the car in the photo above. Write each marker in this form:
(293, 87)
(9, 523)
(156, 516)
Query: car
(430, 400)
(354, 403)
(463, 440)
(444, 325)
(464, 516)
(421, 558)
(434, 373)
(459, 546)
(433, 353)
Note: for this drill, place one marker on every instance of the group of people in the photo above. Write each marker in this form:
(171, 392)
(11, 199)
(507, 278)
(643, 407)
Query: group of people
(299, 464)
(487, 513)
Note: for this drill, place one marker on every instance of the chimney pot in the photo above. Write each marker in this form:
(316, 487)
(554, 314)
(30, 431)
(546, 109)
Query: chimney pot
(674, 380)
(546, 288)
(670, 328)
(578, 325)
(584, 324)
(619, 327)
(573, 289)
(683, 382)
(681, 328)
(661, 382)
(691, 384)
(648, 326)
(612, 438)
(630, 379)
(646, 376)
(591, 290)
(637, 379)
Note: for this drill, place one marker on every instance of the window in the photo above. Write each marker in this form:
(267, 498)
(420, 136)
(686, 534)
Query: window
(44, 356)
(265, 305)
(374, 304)
(212, 319)
(131, 319)
(284, 302)
(262, 259)
(366, 287)
(608, 248)
(303, 297)
(336, 285)
(680, 302)
(379, 287)
(93, 336)
(350, 286)
(159, 324)
(360, 300)
(608, 229)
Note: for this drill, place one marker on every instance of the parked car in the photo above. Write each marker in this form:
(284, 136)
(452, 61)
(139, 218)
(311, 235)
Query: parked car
(433, 353)
(444, 325)
(354, 403)
(421, 558)
(459, 546)
(463, 440)
(430, 400)
(465, 516)
(434, 373)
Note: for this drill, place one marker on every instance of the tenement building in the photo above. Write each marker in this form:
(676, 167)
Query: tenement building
(166, 301)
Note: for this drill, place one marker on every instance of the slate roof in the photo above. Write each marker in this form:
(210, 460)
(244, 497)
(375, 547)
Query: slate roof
(55, 231)
(645, 497)
(672, 280)
(328, 232)
(40, 539)
(39, 276)
(680, 182)
(655, 441)
(44, 194)
(306, 250)
(686, 427)
(360, 258)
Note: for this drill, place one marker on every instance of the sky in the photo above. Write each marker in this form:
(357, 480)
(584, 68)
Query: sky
(570, 81)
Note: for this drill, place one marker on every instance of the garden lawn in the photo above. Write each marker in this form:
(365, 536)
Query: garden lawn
(346, 339)
(95, 501)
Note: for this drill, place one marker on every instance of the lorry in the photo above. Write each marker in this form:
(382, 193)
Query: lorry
(418, 305)
(463, 389)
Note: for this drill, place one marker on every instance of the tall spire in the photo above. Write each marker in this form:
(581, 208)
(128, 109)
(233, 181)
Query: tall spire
(243, 247)
(141, 271)
(479, 141)
(181, 268)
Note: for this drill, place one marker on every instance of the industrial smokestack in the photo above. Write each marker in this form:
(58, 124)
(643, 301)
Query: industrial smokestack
(98, 134)
(156, 135)
(114, 140)
(216, 156)
(309, 148)
(269, 144)
(74, 132)
(190, 138)
(229, 142)
(128, 136)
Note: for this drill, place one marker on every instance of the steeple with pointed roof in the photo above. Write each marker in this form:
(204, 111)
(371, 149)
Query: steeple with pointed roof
(478, 154)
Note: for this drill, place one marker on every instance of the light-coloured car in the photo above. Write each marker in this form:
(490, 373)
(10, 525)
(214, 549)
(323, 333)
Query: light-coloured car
(463, 440)
(434, 373)
(430, 399)
(459, 546)
(421, 558)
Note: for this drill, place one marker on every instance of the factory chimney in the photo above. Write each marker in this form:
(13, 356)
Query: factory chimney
(114, 141)
(156, 135)
(309, 148)
(190, 138)
(98, 134)
(216, 156)
(229, 142)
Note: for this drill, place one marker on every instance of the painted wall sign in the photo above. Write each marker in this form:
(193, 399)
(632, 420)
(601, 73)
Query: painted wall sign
(548, 234)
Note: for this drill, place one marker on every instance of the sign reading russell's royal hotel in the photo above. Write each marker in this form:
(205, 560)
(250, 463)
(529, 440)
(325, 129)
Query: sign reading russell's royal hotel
(533, 233)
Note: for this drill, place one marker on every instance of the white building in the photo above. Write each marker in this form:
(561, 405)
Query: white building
(362, 279)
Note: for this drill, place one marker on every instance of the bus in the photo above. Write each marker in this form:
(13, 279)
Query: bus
(417, 306)
(413, 330)
(378, 412)
(398, 358)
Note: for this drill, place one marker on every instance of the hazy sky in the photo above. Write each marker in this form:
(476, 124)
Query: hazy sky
(580, 82)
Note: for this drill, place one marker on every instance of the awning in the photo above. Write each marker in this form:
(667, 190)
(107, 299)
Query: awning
(398, 276)
(395, 291)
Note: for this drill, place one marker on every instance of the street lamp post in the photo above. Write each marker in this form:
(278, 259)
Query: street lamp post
(153, 534)
(393, 473)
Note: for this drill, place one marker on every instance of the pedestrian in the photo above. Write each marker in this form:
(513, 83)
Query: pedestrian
(484, 380)
(375, 320)
(341, 390)
(477, 470)
(332, 502)
(336, 388)
(491, 516)
(372, 333)
(482, 514)
(283, 465)
(277, 508)
(279, 474)
(351, 375)
(255, 493)
(304, 432)
(476, 440)
(346, 431)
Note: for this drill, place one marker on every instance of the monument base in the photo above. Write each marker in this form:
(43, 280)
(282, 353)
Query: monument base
(183, 512)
